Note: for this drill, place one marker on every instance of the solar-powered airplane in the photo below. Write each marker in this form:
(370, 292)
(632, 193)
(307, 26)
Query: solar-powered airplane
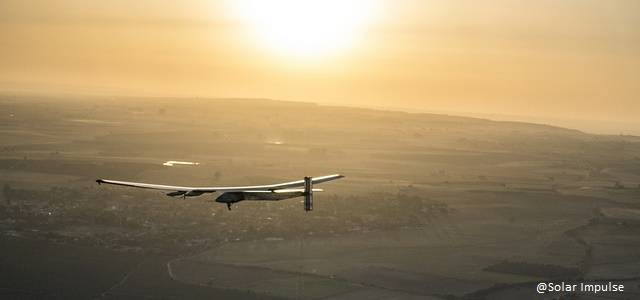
(233, 194)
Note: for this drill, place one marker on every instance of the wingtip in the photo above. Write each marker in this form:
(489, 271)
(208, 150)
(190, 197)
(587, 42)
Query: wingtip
(99, 181)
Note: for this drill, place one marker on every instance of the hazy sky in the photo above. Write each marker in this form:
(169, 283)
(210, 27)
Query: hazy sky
(550, 58)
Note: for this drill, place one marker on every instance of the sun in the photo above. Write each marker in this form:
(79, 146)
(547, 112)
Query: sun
(305, 28)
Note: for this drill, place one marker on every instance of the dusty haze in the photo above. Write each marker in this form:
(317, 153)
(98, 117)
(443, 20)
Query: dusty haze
(571, 63)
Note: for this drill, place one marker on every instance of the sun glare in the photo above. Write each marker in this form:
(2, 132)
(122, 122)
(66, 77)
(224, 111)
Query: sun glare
(308, 28)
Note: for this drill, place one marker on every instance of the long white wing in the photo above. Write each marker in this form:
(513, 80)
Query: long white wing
(270, 187)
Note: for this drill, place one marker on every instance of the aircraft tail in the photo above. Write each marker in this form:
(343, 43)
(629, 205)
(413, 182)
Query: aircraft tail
(308, 194)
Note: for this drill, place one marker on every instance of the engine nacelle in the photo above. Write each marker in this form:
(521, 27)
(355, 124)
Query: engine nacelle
(185, 194)
(193, 193)
(176, 194)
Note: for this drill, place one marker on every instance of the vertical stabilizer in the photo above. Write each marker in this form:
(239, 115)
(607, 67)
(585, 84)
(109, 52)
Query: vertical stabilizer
(308, 194)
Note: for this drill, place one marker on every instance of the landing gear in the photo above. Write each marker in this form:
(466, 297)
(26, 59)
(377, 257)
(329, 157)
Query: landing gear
(229, 205)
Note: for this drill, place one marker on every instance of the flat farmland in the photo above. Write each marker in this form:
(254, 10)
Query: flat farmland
(432, 206)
